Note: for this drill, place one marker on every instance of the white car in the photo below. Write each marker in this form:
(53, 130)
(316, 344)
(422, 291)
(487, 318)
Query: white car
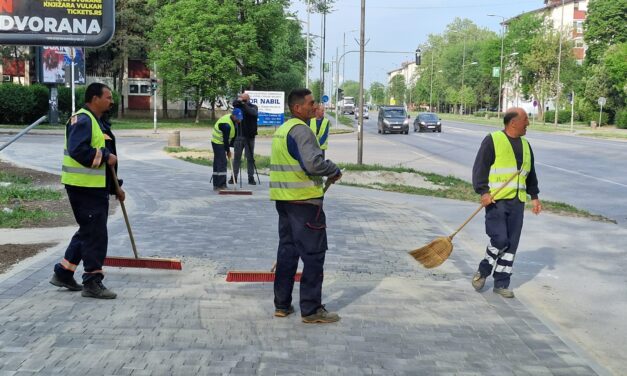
(366, 116)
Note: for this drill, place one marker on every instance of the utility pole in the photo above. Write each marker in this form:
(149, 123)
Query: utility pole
(324, 32)
(431, 90)
(308, 42)
(362, 34)
(498, 114)
(559, 66)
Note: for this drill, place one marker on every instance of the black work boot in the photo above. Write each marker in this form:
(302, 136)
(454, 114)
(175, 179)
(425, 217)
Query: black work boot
(95, 289)
(68, 283)
(231, 180)
(321, 316)
(252, 181)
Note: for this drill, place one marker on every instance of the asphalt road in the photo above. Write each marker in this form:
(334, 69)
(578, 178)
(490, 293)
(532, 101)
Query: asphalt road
(588, 173)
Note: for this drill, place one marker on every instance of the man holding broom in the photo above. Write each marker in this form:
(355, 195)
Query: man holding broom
(502, 154)
(221, 139)
(296, 171)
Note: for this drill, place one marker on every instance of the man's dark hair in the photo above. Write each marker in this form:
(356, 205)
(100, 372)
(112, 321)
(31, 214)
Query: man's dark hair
(95, 89)
(509, 116)
(297, 96)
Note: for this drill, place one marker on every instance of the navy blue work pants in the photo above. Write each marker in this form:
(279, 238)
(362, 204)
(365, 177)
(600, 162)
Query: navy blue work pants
(503, 224)
(219, 165)
(302, 234)
(89, 243)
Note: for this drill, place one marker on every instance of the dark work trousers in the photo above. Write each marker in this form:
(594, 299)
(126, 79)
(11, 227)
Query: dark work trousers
(89, 243)
(324, 153)
(219, 165)
(302, 234)
(247, 144)
(503, 224)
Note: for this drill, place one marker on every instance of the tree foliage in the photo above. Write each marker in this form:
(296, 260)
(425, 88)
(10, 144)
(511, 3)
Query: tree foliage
(201, 53)
(398, 89)
(377, 93)
(606, 24)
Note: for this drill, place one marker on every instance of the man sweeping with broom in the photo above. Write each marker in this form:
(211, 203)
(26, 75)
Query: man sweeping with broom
(503, 153)
(296, 171)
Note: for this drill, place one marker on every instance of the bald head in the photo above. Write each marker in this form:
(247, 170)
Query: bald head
(244, 97)
(516, 122)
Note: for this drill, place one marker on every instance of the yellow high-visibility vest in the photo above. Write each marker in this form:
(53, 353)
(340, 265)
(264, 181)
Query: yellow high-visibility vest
(288, 181)
(320, 132)
(505, 165)
(74, 173)
(218, 137)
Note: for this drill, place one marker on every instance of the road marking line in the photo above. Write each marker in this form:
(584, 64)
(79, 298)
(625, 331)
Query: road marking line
(584, 175)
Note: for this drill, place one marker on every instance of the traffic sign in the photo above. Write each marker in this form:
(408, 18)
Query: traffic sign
(602, 101)
(325, 98)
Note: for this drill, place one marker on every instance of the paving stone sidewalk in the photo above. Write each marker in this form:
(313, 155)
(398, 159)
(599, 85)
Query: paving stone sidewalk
(397, 318)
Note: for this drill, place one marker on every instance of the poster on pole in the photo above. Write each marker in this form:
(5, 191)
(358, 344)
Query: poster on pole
(56, 65)
(271, 106)
(89, 23)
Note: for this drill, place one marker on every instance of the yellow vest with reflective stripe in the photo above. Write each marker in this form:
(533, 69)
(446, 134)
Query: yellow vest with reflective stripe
(74, 173)
(288, 181)
(505, 165)
(218, 137)
(323, 127)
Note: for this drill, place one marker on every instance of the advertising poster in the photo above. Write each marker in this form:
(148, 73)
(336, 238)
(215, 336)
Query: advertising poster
(89, 23)
(56, 65)
(271, 106)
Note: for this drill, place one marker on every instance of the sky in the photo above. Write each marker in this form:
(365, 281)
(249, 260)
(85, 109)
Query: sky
(395, 25)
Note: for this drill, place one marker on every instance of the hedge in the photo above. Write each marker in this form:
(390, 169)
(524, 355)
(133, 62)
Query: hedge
(563, 117)
(25, 104)
(16, 103)
(621, 118)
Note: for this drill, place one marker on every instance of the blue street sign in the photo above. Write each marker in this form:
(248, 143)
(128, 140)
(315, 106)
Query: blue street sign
(325, 98)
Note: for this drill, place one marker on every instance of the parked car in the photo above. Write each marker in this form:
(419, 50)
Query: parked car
(393, 119)
(427, 121)
(366, 116)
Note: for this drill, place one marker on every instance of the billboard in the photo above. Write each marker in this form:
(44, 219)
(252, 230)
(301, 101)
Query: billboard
(271, 106)
(88, 23)
(56, 65)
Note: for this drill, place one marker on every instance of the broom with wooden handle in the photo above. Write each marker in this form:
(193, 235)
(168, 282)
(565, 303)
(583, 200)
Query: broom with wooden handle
(137, 262)
(256, 276)
(439, 250)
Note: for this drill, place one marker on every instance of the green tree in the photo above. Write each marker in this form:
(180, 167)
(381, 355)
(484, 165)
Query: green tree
(198, 52)
(377, 92)
(351, 89)
(132, 19)
(398, 89)
(606, 24)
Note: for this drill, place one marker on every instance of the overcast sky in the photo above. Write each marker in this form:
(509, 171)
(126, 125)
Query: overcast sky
(396, 25)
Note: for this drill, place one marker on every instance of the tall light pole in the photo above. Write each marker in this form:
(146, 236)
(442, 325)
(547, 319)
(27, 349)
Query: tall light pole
(559, 65)
(308, 42)
(498, 114)
(362, 47)
(431, 89)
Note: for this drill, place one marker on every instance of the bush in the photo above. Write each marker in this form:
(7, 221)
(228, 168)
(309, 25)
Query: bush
(621, 118)
(41, 96)
(16, 103)
(563, 116)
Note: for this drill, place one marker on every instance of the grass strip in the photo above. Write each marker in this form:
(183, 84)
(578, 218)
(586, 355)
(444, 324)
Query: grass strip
(20, 217)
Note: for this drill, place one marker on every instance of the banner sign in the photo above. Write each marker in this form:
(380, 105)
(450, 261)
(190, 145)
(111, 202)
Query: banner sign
(89, 23)
(271, 105)
(56, 65)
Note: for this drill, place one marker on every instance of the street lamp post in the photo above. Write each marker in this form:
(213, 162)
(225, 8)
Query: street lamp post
(431, 89)
(559, 65)
(308, 42)
(498, 114)
(463, 104)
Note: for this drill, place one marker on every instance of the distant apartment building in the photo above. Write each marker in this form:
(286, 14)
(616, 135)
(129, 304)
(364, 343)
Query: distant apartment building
(409, 70)
(566, 15)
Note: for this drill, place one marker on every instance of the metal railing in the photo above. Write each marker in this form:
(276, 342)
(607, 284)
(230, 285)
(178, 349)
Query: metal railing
(23, 132)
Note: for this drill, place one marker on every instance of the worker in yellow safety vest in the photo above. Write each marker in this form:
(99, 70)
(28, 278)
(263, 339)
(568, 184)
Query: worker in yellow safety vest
(296, 170)
(320, 126)
(502, 154)
(88, 184)
(221, 140)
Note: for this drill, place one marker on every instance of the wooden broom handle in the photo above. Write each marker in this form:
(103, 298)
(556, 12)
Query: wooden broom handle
(481, 206)
(128, 224)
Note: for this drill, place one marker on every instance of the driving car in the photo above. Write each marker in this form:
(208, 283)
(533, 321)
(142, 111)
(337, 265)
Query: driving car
(393, 119)
(366, 116)
(427, 121)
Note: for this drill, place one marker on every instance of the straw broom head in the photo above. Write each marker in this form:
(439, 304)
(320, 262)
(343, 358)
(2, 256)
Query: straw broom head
(434, 253)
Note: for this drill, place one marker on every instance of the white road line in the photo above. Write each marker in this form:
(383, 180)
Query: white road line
(584, 175)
